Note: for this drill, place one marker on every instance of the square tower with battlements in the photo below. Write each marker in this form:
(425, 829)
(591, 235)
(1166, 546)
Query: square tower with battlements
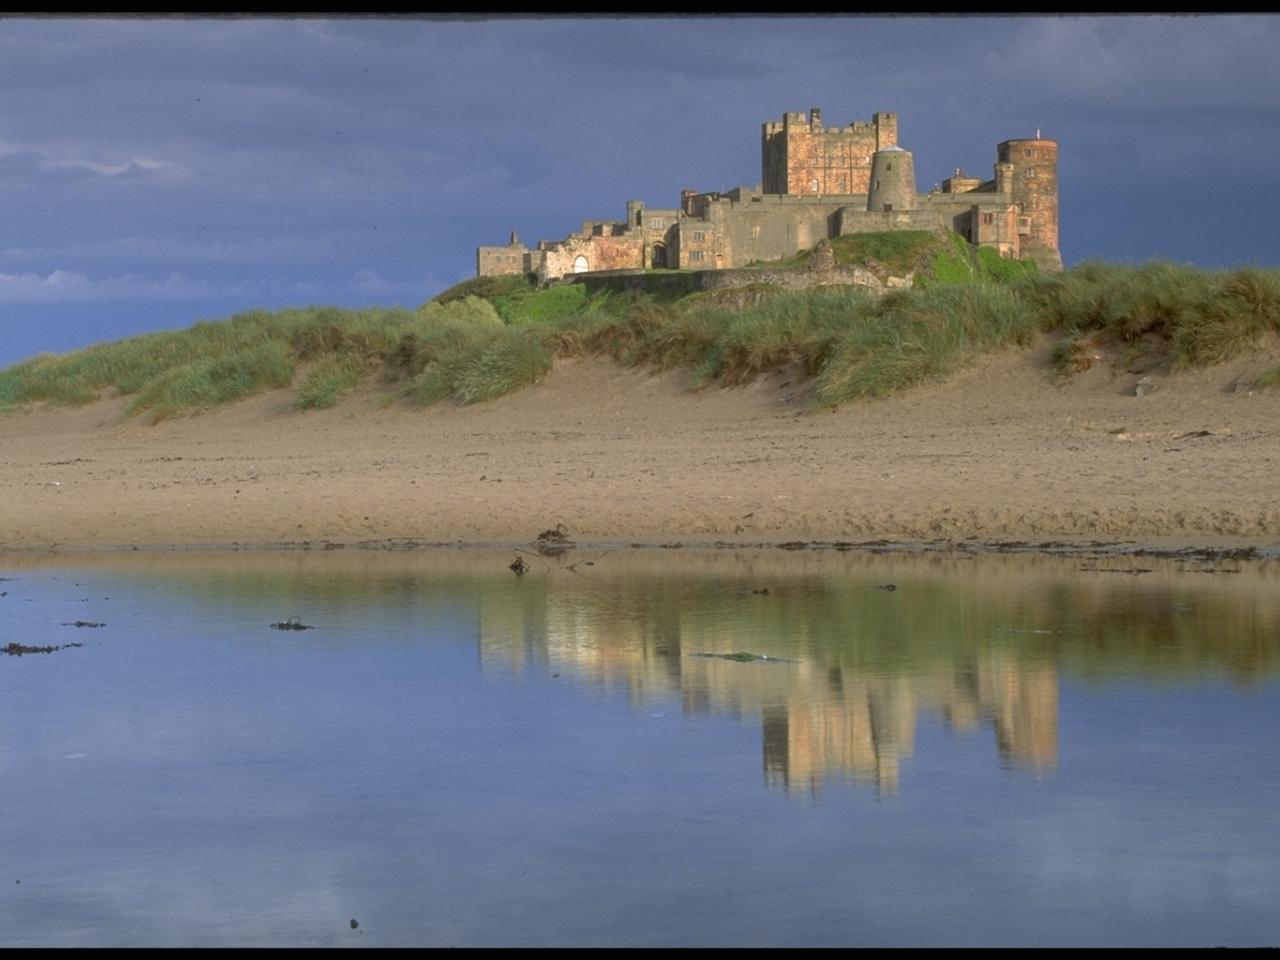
(802, 157)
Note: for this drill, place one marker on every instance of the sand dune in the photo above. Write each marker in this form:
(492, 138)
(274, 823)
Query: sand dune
(999, 452)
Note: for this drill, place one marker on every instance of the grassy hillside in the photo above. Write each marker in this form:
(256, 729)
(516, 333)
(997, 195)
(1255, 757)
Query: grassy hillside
(489, 336)
(900, 251)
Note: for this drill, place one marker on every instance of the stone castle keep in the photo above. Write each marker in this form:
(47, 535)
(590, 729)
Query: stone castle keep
(817, 182)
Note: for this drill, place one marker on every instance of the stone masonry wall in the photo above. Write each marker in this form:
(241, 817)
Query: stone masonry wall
(802, 157)
(496, 261)
(815, 186)
(1034, 189)
(601, 253)
(819, 272)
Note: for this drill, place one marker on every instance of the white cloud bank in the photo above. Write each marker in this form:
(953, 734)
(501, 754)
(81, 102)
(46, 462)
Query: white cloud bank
(74, 286)
(71, 286)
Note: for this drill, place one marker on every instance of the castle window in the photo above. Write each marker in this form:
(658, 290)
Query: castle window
(755, 232)
(695, 255)
(888, 166)
(699, 237)
(988, 218)
(657, 222)
(1031, 172)
(813, 185)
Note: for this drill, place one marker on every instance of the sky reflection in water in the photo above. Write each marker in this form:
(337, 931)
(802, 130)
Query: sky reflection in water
(1003, 750)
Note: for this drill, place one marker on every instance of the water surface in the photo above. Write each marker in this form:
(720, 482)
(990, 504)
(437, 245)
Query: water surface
(999, 751)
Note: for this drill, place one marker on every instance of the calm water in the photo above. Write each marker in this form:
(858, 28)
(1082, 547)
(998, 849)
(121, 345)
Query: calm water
(1003, 750)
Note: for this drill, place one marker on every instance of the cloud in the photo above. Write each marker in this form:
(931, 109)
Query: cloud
(253, 249)
(60, 158)
(71, 286)
(134, 165)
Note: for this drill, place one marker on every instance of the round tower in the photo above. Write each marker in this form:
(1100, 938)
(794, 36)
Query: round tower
(1032, 175)
(893, 180)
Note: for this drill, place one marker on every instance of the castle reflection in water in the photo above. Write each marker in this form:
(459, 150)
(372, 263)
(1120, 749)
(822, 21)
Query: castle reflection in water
(819, 718)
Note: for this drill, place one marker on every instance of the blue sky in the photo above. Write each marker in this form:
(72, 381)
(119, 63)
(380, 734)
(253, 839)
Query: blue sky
(158, 172)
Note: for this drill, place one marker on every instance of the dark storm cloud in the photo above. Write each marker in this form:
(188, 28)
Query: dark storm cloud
(360, 160)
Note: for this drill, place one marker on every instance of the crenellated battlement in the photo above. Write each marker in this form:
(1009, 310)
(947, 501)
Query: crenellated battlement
(799, 155)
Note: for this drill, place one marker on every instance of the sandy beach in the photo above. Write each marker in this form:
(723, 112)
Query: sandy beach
(1002, 452)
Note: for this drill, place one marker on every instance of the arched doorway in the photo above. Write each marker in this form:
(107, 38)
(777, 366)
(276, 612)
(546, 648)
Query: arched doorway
(659, 258)
(580, 264)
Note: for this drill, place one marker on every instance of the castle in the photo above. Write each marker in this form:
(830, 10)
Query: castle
(817, 182)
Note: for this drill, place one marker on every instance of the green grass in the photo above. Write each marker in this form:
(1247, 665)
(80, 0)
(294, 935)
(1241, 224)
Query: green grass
(730, 345)
(901, 251)
(486, 287)
(214, 381)
(539, 306)
(922, 335)
(487, 338)
(328, 380)
(992, 266)
(1200, 317)
(1268, 379)
(956, 261)
(951, 265)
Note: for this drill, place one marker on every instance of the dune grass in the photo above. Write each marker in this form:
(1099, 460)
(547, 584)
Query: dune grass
(922, 335)
(1200, 317)
(328, 380)
(1268, 379)
(214, 363)
(493, 335)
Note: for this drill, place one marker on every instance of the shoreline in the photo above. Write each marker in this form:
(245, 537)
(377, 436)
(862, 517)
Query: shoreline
(1201, 550)
(1001, 458)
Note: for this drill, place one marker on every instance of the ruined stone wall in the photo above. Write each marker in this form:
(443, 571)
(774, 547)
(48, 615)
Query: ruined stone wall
(598, 252)
(790, 279)
(786, 278)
